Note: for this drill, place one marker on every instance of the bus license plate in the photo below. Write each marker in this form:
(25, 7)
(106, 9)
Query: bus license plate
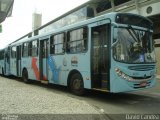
(142, 84)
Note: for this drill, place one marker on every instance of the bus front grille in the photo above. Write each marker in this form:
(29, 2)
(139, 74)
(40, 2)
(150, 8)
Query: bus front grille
(140, 85)
(142, 67)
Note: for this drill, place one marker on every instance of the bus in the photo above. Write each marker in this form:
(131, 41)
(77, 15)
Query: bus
(113, 53)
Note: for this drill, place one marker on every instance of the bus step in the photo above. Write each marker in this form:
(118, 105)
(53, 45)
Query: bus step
(102, 90)
(104, 84)
(44, 81)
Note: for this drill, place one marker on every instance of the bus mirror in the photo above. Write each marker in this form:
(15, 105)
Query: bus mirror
(114, 24)
(115, 34)
(115, 40)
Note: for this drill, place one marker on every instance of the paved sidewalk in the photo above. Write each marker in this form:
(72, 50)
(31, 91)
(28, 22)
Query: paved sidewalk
(20, 101)
(19, 98)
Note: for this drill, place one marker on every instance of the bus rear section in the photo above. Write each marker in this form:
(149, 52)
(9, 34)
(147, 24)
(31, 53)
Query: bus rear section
(5, 61)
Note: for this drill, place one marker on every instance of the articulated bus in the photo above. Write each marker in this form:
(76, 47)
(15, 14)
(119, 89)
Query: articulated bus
(113, 52)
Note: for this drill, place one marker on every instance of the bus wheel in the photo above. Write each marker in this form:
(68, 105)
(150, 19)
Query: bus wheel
(2, 72)
(25, 76)
(76, 84)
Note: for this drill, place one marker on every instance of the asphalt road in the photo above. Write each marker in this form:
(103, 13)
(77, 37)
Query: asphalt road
(120, 106)
(139, 102)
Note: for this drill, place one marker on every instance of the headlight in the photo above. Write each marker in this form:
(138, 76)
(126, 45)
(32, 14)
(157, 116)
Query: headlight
(123, 75)
(130, 79)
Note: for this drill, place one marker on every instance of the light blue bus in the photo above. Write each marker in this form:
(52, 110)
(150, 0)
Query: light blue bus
(113, 52)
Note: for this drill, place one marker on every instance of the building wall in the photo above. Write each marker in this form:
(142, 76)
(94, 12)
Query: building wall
(36, 21)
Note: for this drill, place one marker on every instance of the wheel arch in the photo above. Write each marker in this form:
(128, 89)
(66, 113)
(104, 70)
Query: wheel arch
(74, 71)
(24, 68)
(25, 75)
(3, 71)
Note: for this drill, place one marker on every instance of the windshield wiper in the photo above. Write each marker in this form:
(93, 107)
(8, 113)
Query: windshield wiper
(135, 36)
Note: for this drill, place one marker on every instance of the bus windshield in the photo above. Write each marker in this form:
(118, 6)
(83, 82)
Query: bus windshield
(133, 46)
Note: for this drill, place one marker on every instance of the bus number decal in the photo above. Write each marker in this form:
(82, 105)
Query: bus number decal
(74, 61)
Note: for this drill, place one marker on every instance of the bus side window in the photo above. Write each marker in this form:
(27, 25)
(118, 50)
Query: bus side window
(13, 52)
(2, 55)
(25, 50)
(77, 40)
(51, 45)
(57, 44)
(30, 49)
(34, 48)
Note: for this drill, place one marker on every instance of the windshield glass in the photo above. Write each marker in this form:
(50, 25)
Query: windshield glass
(133, 46)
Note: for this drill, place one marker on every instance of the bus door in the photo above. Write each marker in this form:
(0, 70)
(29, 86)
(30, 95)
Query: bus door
(100, 56)
(43, 66)
(18, 60)
(7, 61)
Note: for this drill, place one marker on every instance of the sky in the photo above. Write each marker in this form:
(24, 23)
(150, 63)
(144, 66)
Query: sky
(20, 23)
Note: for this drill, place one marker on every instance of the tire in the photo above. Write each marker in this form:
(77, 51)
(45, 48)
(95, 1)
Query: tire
(25, 76)
(77, 85)
(2, 72)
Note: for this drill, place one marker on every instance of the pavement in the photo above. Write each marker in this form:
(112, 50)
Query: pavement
(17, 97)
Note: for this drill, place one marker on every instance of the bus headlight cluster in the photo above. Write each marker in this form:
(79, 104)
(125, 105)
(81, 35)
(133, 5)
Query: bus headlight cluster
(123, 75)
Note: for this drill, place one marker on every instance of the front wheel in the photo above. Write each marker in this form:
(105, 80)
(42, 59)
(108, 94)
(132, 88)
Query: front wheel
(76, 84)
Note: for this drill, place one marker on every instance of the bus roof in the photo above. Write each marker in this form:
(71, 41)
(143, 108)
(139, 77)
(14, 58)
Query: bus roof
(72, 26)
(110, 16)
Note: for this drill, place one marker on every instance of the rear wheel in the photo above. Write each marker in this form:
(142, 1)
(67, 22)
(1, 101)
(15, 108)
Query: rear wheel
(25, 76)
(2, 72)
(76, 84)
